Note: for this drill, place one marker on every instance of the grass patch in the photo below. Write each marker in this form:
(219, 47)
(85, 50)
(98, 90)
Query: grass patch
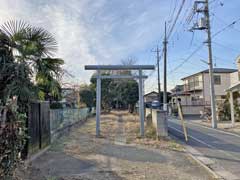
(151, 132)
(175, 146)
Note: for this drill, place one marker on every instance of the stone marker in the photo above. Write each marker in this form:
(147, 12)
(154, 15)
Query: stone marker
(159, 120)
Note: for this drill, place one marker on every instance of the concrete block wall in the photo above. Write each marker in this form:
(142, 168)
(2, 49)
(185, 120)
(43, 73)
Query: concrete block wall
(159, 121)
(148, 111)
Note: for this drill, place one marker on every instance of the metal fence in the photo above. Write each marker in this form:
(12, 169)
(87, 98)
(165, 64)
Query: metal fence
(61, 118)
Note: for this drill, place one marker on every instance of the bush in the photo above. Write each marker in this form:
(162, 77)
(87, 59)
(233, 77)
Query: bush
(224, 110)
(12, 139)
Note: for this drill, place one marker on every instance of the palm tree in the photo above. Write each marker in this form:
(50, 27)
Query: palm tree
(48, 72)
(27, 67)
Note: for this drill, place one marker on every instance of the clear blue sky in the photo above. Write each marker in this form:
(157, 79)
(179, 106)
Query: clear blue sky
(107, 31)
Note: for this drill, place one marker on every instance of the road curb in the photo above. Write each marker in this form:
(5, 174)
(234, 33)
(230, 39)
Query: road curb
(199, 162)
(210, 171)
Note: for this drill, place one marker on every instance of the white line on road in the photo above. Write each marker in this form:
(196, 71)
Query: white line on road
(218, 130)
(207, 161)
(208, 145)
(198, 140)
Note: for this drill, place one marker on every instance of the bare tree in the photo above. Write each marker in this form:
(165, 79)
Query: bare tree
(129, 61)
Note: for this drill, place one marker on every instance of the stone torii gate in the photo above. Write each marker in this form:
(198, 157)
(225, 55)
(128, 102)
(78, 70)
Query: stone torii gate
(140, 68)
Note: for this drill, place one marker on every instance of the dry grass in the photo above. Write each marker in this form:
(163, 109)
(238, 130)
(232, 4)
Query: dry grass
(150, 139)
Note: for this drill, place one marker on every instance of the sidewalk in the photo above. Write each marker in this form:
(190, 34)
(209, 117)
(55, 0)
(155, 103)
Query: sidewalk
(119, 154)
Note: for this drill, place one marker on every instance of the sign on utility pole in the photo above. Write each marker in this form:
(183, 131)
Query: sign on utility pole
(204, 24)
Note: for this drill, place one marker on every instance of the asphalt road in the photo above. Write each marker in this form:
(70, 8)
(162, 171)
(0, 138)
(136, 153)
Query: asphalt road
(222, 150)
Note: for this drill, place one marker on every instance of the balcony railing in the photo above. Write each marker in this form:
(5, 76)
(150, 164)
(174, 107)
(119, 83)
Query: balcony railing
(196, 85)
(200, 102)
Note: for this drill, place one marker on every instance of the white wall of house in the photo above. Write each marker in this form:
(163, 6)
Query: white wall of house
(194, 85)
(234, 78)
(219, 89)
(193, 82)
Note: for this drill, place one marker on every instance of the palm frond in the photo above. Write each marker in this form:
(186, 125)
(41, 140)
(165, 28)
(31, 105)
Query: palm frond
(51, 66)
(45, 42)
(13, 27)
(27, 39)
(4, 40)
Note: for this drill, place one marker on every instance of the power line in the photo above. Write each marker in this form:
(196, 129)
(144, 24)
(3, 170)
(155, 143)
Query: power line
(173, 26)
(176, 18)
(224, 22)
(173, 12)
(187, 59)
(220, 4)
(183, 22)
(196, 50)
(226, 27)
(226, 47)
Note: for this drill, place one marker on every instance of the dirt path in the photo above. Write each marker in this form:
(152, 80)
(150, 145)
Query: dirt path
(120, 137)
(119, 154)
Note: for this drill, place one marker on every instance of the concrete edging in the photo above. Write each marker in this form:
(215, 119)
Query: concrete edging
(202, 164)
(214, 174)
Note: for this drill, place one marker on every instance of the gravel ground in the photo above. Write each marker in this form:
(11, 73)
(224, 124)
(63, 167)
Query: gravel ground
(118, 154)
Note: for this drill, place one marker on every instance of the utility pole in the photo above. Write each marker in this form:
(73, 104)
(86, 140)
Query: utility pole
(158, 69)
(159, 85)
(165, 69)
(213, 105)
(205, 25)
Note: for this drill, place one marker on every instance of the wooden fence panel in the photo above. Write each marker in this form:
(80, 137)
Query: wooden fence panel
(33, 128)
(45, 134)
(38, 126)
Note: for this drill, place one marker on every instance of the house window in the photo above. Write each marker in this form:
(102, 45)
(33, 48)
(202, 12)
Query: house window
(196, 79)
(217, 79)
